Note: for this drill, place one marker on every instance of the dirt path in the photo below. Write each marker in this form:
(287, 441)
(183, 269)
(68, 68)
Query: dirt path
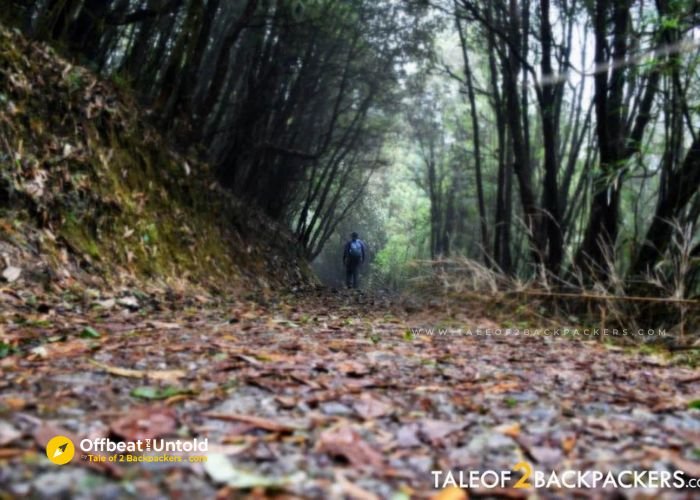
(326, 395)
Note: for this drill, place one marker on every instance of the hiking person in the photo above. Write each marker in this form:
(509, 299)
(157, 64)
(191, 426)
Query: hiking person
(353, 256)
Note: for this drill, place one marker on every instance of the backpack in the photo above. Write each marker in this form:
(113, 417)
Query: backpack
(355, 249)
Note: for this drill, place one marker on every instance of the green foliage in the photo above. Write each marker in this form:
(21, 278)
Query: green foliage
(75, 80)
(694, 404)
(155, 393)
(670, 22)
(90, 333)
(150, 234)
(122, 81)
(5, 349)
(510, 402)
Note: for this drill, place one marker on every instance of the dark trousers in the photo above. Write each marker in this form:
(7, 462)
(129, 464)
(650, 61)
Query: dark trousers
(352, 267)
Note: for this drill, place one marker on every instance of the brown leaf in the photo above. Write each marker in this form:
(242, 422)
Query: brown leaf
(287, 402)
(407, 436)
(352, 368)
(258, 422)
(510, 430)
(568, 442)
(14, 403)
(513, 493)
(546, 454)
(60, 349)
(437, 430)
(162, 325)
(43, 434)
(688, 466)
(345, 442)
(369, 407)
(451, 493)
(353, 490)
(168, 375)
(501, 387)
(8, 433)
(145, 423)
(11, 452)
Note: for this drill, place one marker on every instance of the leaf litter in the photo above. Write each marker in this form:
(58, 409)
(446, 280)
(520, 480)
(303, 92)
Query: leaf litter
(299, 407)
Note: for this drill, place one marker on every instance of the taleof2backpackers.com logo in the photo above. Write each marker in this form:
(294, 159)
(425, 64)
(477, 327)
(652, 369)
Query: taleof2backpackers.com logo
(567, 479)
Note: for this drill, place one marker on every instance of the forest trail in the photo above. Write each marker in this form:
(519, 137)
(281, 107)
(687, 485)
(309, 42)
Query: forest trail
(323, 394)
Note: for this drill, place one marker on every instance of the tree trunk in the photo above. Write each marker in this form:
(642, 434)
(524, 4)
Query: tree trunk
(551, 219)
(477, 147)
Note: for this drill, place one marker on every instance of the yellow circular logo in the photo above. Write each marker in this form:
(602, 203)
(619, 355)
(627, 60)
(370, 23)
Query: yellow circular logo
(60, 450)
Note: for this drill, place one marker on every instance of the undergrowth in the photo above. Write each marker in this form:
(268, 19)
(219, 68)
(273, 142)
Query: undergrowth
(87, 184)
(605, 315)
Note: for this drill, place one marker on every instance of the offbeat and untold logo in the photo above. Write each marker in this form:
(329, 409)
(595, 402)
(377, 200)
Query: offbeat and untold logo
(60, 450)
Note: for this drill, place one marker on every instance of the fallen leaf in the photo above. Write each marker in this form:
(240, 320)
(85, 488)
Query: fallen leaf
(145, 423)
(501, 387)
(353, 490)
(149, 392)
(161, 325)
(437, 430)
(690, 467)
(152, 374)
(352, 368)
(546, 455)
(512, 493)
(369, 407)
(11, 274)
(89, 333)
(106, 304)
(287, 402)
(61, 349)
(407, 436)
(8, 433)
(511, 430)
(450, 493)
(128, 302)
(36, 186)
(345, 442)
(568, 442)
(14, 403)
(220, 470)
(11, 452)
(258, 422)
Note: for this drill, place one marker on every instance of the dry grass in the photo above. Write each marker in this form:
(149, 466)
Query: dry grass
(547, 299)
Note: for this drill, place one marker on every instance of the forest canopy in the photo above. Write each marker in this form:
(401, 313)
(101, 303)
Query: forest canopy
(555, 139)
